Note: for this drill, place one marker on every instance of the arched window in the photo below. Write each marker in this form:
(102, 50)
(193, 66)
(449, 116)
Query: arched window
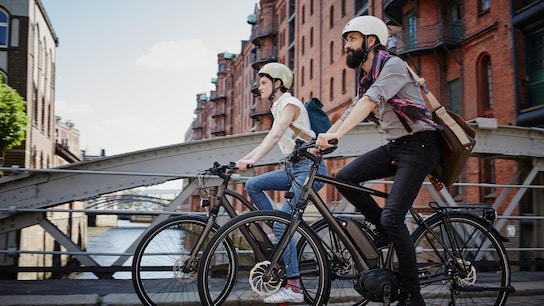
(311, 69)
(331, 17)
(332, 89)
(344, 81)
(4, 22)
(303, 43)
(485, 86)
(331, 51)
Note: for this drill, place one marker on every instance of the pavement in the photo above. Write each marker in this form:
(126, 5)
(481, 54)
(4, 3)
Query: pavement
(90, 292)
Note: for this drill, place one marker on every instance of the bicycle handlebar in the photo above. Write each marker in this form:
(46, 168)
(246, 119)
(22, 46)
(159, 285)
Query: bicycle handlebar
(302, 150)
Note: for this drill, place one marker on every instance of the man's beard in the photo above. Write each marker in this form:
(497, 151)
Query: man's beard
(355, 57)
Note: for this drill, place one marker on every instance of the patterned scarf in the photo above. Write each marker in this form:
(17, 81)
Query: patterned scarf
(408, 110)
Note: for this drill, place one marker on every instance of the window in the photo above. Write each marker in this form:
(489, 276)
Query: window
(311, 7)
(344, 81)
(487, 175)
(4, 22)
(483, 6)
(302, 76)
(311, 37)
(535, 69)
(331, 17)
(454, 89)
(412, 29)
(343, 8)
(303, 14)
(331, 50)
(361, 5)
(331, 89)
(311, 69)
(485, 86)
(303, 43)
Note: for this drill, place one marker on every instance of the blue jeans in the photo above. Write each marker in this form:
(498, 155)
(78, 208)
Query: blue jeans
(409, 160)
(280, 180)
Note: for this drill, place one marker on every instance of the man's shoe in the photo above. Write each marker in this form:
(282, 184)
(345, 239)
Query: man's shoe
(285, 295)
(411, 299)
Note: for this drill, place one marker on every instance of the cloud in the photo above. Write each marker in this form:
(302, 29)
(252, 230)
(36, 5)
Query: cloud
(179, 56)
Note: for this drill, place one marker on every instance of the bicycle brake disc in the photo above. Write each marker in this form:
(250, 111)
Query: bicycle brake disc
(179, 274)
(262, 282)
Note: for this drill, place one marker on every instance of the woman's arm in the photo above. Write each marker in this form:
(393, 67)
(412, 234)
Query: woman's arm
(288, 114)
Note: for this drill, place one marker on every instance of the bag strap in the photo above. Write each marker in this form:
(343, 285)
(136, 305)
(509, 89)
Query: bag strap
(423, 85)
(299, 133)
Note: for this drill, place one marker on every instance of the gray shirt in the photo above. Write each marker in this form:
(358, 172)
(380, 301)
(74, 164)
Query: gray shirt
(394, 79)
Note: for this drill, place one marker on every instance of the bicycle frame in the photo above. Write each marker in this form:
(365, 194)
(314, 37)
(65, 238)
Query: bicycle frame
(220, 201)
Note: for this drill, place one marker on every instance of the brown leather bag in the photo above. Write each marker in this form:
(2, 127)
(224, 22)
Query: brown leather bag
(457, 140)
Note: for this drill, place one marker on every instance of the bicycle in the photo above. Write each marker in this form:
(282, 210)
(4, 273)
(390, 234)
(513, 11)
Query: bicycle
(165, 261)
(461, 257)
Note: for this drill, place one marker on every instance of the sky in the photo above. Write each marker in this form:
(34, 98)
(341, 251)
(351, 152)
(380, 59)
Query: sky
(128, 71)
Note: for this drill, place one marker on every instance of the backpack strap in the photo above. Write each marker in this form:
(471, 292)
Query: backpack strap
(299, 133)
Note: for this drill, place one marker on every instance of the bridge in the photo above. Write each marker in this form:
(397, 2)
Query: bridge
(28, 193)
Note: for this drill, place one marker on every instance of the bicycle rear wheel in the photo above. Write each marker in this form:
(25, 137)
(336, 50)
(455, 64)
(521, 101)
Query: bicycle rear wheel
(161, 271)
(471, 267)
(250, 234)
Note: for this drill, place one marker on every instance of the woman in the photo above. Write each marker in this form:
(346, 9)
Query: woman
(290, 115)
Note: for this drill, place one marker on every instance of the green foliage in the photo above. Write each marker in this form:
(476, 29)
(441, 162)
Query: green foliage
(13, 118)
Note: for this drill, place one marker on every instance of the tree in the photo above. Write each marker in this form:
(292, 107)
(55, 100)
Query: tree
(13, 118)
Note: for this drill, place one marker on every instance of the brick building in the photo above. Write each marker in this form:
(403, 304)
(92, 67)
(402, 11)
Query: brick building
(480, 59)
(27, 63)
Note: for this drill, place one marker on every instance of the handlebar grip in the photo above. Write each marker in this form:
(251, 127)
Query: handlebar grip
(333, 141)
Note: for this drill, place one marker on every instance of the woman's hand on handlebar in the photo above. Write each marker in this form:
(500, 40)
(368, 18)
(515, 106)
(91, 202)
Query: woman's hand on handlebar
(244, 164)
(326, 140)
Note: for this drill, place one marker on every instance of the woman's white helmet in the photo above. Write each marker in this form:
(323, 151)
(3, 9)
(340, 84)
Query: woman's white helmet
(278, 71)
(368, 25)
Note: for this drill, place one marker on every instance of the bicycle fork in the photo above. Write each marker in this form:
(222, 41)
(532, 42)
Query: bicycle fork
(191, 264)
(289, 232)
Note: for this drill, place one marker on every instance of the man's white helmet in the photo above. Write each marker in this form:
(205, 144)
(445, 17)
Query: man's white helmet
(368, 25)
(278, 71)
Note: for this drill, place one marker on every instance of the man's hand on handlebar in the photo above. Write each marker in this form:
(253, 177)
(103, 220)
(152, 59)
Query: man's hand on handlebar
(326, 140)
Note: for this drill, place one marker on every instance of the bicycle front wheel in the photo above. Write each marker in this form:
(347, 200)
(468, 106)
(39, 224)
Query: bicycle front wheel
(258, 277)
(461, 261)
(162, 271)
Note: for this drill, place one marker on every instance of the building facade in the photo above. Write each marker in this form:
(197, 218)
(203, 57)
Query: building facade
(27, 63)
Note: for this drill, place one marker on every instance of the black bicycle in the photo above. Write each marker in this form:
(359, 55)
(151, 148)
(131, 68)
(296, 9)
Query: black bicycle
(165, 262)
(461, 257)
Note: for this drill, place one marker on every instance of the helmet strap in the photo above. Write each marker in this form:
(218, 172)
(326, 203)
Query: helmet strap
(274, 90)
(367, 50)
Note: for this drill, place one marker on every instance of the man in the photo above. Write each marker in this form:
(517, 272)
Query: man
(388, 96)
(290, 120)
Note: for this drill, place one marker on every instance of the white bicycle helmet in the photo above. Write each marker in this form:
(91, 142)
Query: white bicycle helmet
(278, 71)
(367, 25)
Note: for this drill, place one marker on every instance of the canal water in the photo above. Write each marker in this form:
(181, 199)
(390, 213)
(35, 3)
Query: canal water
(112, 240)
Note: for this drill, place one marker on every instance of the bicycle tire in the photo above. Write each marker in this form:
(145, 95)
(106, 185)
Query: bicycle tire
(156, 267)
(341, 265)
(314, 272)
(485, 274)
